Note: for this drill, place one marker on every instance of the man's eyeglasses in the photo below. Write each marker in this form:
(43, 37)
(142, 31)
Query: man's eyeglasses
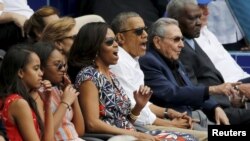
(137, 31)
(110, 41)
(176, 39)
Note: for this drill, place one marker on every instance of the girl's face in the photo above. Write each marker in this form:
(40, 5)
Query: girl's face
(31, 74)
(55, 67)
(109, 50)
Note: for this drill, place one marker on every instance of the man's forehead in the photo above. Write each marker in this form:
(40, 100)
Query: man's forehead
(134, 22)
(191, 9)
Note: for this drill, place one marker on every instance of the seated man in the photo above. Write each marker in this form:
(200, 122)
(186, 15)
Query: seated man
(200, 69)
(222, 60)
(166, 76)
(129, 74)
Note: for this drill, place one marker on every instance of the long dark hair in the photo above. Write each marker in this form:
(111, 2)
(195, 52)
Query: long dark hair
(86, 46)
(15, 59)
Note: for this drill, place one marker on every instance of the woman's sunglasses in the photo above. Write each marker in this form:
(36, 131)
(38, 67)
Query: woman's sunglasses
(137, 31)
(110, 41)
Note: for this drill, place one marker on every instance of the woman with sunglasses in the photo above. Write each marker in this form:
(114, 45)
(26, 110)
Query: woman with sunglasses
(68, 119)
(61, 33)
(25, 114)
(105, 106)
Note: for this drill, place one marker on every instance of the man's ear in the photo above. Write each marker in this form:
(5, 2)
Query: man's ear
(120, 38)
(20, 73)
(157, 41)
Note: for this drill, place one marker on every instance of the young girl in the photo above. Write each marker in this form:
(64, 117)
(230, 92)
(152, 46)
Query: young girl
(20, 77)
(68, 119)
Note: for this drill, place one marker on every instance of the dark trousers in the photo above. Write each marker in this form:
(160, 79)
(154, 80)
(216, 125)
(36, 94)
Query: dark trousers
(10, 34)
(238, 116)
(235, 46)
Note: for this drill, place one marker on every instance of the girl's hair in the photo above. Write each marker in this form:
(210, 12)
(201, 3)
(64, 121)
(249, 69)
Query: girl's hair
(43, 50)
(15, 59)
(86, 47)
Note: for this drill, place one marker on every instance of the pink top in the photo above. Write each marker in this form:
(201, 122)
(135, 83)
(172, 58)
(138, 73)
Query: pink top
(66, 130)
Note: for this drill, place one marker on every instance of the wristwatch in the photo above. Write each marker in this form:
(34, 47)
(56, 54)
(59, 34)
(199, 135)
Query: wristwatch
(166, 113)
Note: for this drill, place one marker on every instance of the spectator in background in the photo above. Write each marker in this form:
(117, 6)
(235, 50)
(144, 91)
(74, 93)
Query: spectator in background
(225, 26)
(13, 14)
(222, 60)
(150, 10)
(47, 14)
(34, 26)
(61, 33)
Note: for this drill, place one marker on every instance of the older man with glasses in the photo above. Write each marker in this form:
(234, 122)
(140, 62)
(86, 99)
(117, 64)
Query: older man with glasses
(169, 81)
(132, 36)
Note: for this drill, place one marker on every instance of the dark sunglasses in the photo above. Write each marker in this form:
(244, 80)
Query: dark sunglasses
(137, 31)
(60, 66)
(110, 41)
(176, 39)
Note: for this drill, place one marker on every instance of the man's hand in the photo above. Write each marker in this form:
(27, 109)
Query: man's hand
(244, 89)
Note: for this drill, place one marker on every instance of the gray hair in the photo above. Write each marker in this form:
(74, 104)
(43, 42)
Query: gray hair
(175, 7)
(158, 28)
(119, 22)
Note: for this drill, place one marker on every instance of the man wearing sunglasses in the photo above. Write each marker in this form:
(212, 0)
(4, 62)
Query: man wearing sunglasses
(131, 36)
(200, 68)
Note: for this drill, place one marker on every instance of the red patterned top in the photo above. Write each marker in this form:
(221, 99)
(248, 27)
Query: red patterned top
(10, 127)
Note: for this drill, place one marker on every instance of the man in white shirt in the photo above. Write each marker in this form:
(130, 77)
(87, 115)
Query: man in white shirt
(13, 14)
(222, 23)
(131, 35)
(222, 60)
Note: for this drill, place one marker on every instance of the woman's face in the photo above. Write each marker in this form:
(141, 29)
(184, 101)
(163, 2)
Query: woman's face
(67, 41)
(55, 67)
(31, 74)
(109, 50)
